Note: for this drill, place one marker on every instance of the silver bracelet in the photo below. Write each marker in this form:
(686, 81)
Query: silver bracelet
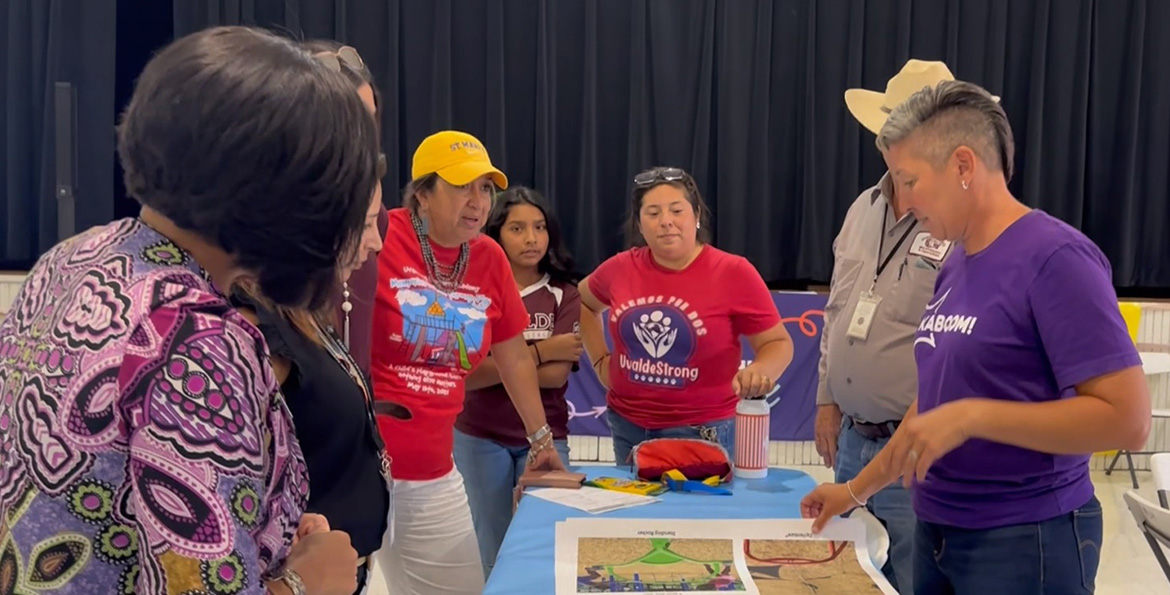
(851, 494)
(293, 581)
(536, 449)
(539, 435)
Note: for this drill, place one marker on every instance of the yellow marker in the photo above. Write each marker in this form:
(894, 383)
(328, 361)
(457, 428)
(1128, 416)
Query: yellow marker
(629, 486)
(677, 475)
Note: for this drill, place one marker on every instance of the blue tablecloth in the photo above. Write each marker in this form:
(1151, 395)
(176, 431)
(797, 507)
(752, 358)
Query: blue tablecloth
(526, 559)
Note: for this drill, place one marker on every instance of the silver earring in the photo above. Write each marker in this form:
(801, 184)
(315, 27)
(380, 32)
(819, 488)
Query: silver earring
(346, 307)
(698, 225)
(965, 183)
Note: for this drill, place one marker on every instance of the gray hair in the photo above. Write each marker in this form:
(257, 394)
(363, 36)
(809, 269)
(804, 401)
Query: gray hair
(424, 183)
(949, 115)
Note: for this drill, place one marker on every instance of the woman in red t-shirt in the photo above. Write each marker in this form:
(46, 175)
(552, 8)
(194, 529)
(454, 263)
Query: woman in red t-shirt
(445, 298)
(677, 309)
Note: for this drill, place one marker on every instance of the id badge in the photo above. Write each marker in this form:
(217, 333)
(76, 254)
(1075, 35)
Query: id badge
(862, 319)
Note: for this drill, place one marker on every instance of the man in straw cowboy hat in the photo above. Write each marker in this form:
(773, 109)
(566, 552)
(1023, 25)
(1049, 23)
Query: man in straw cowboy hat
(885, 265)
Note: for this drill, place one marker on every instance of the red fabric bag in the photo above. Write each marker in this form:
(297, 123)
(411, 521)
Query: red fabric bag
(696, 459)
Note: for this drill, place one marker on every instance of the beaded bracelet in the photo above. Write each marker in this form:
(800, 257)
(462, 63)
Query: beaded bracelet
(538, 447)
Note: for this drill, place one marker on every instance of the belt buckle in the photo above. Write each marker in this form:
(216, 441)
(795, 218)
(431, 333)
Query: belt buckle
(860, 422)
(871, 430)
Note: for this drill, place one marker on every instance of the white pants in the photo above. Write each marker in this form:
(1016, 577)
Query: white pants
(434, 550)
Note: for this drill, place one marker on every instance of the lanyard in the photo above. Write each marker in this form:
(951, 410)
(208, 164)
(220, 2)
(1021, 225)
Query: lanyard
(342, 357)
(882, 264)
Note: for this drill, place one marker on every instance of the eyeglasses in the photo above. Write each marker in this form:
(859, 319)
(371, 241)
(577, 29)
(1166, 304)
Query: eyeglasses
(344, 55)
(652, 177)
(381, 165)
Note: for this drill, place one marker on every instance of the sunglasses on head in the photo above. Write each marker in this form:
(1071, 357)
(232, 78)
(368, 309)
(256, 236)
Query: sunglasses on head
(344, 55)
(650, 178)
(352, 60)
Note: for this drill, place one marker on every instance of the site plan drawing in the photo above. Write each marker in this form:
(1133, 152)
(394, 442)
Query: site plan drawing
(802, 566)
(756, 557)
(625, 564)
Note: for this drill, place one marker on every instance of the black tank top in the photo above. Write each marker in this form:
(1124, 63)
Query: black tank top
(340, 444)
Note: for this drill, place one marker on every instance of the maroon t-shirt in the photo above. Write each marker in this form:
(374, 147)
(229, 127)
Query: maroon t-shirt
(554, 308)
(363, 286)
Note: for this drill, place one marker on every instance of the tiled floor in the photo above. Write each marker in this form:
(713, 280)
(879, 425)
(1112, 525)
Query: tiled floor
(1127, 564)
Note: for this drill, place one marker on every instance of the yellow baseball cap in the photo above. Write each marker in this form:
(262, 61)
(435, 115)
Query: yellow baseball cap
(457, 157)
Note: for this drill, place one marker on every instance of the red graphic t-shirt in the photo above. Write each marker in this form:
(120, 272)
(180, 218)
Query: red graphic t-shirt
(676, 334)
(426, 342)
(554, 308)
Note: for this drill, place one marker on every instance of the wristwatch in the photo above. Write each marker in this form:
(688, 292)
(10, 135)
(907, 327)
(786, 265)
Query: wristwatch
(539, 435)
(293, 581)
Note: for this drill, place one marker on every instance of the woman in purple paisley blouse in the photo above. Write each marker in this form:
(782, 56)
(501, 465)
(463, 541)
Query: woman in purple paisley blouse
(144, 446)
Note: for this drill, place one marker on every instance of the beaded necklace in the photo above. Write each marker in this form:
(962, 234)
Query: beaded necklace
(445, 278)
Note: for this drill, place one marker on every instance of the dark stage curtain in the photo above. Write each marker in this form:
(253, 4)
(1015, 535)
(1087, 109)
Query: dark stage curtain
(573, 98)
(44, 42)
(1127, 154)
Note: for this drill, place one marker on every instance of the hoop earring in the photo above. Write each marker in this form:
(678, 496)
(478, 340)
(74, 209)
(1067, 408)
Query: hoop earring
(965, 183)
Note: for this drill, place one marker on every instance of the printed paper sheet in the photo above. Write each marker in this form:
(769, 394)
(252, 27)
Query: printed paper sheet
(591, 500)
(756, 557)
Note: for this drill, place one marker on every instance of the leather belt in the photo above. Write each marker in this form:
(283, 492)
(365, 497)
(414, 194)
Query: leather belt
(874, 431)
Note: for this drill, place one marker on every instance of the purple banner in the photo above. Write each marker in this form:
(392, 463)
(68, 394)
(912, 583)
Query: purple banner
(794, 397)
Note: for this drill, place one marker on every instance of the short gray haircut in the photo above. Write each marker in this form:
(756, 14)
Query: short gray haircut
(949, 115)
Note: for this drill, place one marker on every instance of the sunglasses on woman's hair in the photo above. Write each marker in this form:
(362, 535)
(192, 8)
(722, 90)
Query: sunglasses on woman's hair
(650, 178)
(344, 55)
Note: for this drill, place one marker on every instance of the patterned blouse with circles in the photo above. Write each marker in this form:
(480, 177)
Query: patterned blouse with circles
(144, 446)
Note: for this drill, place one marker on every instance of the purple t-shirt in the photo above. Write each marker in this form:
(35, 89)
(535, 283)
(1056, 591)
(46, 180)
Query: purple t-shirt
(1026, 319)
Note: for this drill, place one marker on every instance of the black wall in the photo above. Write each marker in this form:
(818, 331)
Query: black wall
(573, 98)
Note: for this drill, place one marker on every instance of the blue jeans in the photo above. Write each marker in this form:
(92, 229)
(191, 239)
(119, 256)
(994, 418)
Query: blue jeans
(892, 506)
(626, 435)
(1056, 556)
(490, 472)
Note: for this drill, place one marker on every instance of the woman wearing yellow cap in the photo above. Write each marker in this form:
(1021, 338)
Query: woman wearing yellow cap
(445, 298)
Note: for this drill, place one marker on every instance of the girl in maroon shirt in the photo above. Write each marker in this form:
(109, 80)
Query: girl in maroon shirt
(490, 442)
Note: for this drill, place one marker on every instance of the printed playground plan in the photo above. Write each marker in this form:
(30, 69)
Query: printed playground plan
(682, 556)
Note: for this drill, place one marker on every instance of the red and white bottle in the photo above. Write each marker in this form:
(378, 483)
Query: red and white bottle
(752, 419)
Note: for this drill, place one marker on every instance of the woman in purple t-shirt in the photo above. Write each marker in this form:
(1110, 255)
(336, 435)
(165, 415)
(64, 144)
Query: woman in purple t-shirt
(1025, 367)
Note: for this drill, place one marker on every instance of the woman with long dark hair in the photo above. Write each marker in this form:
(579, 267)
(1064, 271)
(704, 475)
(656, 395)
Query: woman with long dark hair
(490, 444)
(315, 357)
